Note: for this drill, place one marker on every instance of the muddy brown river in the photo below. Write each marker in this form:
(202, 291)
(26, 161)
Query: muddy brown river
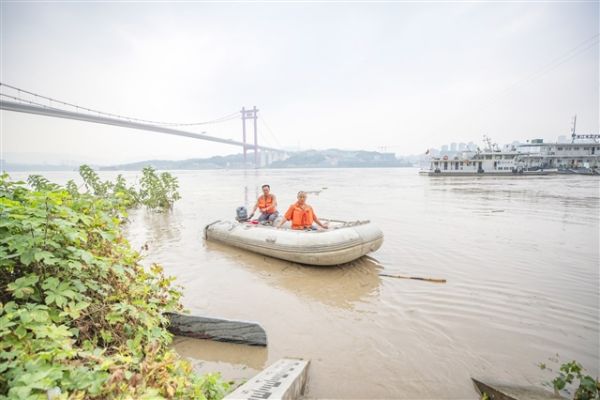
(520, 256)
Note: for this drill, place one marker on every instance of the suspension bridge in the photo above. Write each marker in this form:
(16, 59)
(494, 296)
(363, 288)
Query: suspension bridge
(16, 99)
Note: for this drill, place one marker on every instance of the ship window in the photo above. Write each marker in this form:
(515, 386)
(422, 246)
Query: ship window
(488, 157)
(446, 165)
(456, 165)
(575, 148)
(559, 148)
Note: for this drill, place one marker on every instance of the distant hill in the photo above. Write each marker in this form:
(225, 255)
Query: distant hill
(334, 158)
(233, 161)
(15, 167)
(331, 158)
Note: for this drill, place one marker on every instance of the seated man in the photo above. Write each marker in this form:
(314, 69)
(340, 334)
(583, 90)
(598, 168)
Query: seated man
(267, 204)
(301, 215)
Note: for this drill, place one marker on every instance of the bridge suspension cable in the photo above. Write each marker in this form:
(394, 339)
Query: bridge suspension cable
(225, 118)
(270, 131)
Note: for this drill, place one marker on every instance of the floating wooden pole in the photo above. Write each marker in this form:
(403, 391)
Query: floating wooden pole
(286, 379)
(415, 278)
(222, 330)
(497, 391)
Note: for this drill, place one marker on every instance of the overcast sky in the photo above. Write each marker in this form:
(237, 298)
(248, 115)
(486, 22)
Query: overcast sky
(405, 76)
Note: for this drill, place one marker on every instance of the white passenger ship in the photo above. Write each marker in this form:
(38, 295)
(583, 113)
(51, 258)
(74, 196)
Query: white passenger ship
(581, 156)
(489, 161)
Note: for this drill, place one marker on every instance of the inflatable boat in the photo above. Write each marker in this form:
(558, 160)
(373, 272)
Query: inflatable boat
(341, 243)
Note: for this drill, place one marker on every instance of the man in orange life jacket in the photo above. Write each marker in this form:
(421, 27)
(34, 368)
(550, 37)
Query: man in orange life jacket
(267, 204)
(301, 215)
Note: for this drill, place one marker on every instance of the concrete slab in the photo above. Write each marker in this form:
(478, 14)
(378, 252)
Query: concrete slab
(286, 379)
(222, 330)
(500, 391)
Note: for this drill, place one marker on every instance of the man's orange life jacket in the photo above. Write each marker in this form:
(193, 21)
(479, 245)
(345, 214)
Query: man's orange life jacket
(301, 217)
(266, 202)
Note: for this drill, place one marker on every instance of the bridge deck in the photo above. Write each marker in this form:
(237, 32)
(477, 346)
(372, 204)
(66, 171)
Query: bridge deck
(58, 113)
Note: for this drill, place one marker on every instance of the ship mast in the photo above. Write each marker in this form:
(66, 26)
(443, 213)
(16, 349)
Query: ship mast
(490, 146)
(487, 140)
(573, 128)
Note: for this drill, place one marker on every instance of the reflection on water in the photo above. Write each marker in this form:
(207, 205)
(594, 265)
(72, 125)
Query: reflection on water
(209, 356)
(339, 286)
(520, 256)
(161, 227)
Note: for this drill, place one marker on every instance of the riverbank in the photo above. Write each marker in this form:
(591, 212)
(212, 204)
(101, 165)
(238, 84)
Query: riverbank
(79, 315)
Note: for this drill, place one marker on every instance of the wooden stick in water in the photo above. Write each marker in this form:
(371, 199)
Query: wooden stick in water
(415, 278)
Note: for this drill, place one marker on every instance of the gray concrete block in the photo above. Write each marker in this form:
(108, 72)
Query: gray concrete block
(223, 330)
(286, 379)
(501, 391)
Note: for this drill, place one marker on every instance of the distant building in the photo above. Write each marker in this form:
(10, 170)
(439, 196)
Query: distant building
(444, 148)
(562, 139)
(462, 146)
(453, 147)
(471, 146)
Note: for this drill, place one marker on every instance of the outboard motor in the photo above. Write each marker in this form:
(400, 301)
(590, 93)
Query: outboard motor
(241, 214)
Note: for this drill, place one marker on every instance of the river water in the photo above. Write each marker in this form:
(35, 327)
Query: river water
(520, 256)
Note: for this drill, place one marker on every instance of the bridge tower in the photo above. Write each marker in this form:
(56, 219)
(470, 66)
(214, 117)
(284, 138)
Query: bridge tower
(253, 115)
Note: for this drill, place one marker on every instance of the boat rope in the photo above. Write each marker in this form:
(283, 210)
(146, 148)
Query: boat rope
(434, 280)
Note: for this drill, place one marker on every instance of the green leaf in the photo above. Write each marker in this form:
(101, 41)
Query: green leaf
(50, 283)
(559, 382)
(41, 255)
(22, 288)
(19, 392)
(588, 383)
(39, 315)
(27, 257)
(21, 332)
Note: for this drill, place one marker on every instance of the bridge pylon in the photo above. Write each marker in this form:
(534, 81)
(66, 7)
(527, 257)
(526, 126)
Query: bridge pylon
(253, 115)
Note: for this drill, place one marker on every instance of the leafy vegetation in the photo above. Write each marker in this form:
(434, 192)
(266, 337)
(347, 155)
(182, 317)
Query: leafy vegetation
(158, 191)
(572, 373)
(80, 318)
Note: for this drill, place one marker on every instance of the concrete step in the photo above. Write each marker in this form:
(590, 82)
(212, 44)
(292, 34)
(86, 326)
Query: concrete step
(501, 391)
(286, 379)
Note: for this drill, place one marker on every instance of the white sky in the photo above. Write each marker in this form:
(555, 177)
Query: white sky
(407, 76)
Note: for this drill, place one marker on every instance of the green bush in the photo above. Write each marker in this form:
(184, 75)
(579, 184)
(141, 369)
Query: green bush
(158, 191)
(586, 387)
(80, 318)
